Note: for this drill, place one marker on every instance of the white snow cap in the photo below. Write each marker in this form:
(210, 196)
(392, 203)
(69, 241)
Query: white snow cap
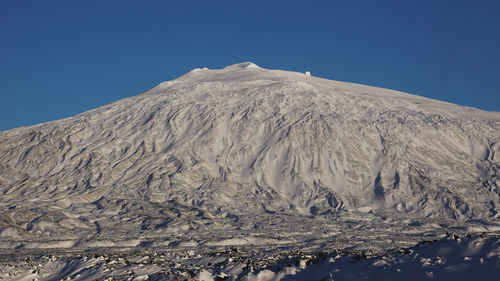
(242, 65)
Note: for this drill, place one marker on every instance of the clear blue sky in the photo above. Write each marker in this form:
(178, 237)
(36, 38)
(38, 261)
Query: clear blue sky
(59, 58)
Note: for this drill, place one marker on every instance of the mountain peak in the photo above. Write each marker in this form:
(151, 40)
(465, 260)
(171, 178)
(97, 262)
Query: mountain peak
(242, 65)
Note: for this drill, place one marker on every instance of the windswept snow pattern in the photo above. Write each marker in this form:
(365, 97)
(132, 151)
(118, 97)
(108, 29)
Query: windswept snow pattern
(248, 157)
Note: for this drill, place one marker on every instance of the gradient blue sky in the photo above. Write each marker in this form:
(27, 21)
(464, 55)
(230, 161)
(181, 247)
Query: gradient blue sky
(59, 58)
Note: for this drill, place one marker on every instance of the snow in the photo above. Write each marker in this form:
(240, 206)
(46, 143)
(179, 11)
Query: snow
(248, 157)
(449, 258)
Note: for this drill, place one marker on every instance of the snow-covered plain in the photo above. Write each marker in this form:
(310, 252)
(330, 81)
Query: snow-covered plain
(260, 167)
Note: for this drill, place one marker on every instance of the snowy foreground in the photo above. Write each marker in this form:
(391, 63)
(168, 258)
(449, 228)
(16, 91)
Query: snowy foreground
(256, 174)
(450, 258)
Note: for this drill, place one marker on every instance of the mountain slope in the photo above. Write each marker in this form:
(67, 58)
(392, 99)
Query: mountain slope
(216, 147)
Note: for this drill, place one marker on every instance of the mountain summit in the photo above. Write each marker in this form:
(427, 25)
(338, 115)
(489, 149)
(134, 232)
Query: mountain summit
(242, 149)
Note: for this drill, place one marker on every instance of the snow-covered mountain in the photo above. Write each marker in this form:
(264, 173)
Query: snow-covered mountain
(245, 148)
